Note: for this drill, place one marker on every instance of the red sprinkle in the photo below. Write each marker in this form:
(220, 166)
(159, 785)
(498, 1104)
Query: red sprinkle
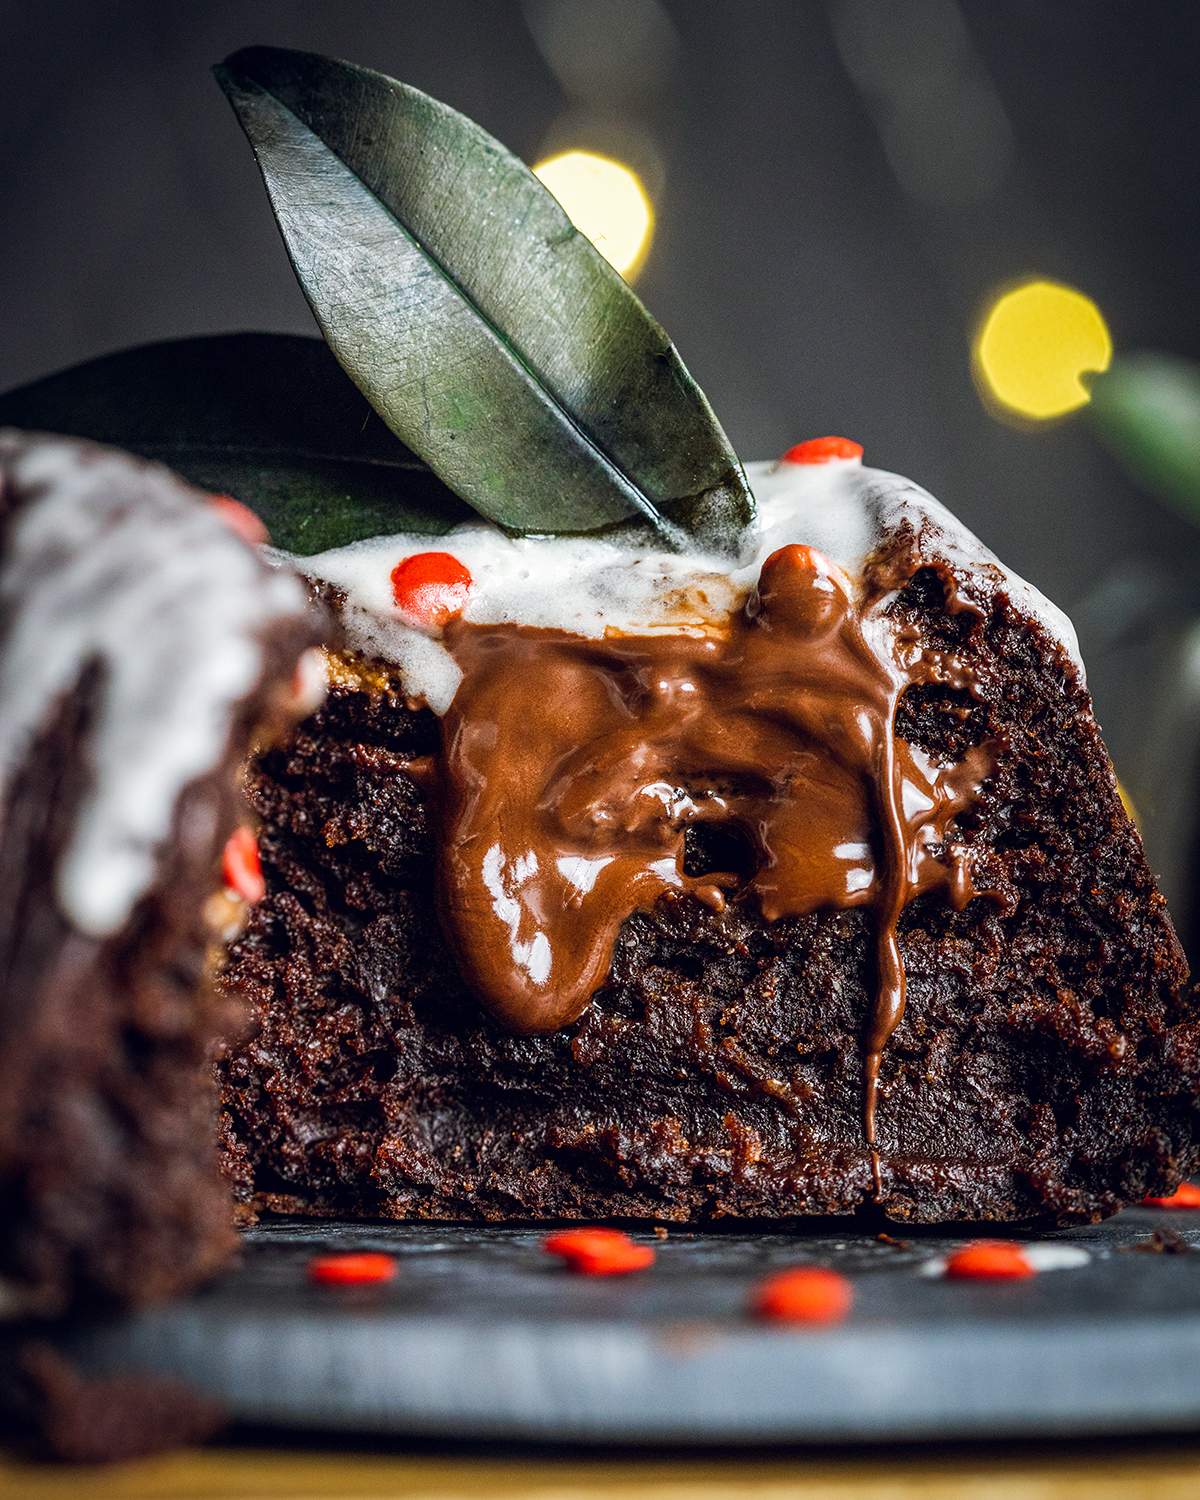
(822, 450)
(805, 1294)
(361, 1268)
(989, 1260)
(1186, 1195)
(431, 587)
(241, 518)
(241, 866)
(599, 1252)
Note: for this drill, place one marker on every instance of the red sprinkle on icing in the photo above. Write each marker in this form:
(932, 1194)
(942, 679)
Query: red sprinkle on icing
(1186, 1195)
(989, 1260)
(356, 1268)
(431, 587)
(241, 518)
(599, 1252)
(822, 450)
(241, 867)
(805, 1294)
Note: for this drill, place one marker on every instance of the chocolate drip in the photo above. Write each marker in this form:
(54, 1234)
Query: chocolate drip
(573, 769)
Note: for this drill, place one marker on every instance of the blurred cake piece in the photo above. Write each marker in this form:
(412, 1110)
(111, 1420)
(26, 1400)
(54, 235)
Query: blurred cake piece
(143, 645)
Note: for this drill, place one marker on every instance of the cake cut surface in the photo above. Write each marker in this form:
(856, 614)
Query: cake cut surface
(653, 889)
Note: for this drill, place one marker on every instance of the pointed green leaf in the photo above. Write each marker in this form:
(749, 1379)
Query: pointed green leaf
(1146, 409)
(488, 333)
(266, 417)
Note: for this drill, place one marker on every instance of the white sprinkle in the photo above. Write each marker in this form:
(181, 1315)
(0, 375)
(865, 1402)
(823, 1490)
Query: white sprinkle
(1056, 1257)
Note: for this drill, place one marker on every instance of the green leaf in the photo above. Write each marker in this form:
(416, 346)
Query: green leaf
(267, 417)
(489, 334)
(1146, 410)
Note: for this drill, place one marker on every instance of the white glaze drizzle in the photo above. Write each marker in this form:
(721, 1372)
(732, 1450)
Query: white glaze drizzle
(588, 585)
(113, 562)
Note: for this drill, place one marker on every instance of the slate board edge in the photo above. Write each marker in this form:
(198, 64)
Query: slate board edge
(482, 1337)
(587, 1384)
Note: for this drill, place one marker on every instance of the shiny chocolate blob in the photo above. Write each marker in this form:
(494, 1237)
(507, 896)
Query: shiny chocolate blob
(573, 767)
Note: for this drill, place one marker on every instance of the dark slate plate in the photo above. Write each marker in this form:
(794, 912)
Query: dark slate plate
(481, 1335)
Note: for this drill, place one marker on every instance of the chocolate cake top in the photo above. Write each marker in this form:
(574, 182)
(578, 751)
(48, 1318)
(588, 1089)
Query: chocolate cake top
(115, 567)
(600, 700)
(591, 586)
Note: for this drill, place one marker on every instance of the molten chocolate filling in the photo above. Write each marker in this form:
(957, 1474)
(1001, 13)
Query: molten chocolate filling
(573, 769)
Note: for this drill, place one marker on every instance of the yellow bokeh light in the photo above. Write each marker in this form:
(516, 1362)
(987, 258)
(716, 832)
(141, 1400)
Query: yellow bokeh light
(605, 200)
(1034, 346)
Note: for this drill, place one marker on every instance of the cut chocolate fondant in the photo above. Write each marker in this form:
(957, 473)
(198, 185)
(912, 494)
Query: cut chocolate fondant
(642, 884)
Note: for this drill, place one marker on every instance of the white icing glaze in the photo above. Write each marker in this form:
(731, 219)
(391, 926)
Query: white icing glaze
(119, 564)
(588, 585)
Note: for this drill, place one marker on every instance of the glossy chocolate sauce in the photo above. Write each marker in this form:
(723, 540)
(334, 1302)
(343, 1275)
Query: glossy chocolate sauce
(573, 767)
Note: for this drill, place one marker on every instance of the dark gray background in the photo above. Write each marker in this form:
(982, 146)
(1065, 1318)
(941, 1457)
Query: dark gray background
(838, 187)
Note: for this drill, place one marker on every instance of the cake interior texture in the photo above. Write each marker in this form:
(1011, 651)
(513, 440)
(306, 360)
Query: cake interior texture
(1047, 1065)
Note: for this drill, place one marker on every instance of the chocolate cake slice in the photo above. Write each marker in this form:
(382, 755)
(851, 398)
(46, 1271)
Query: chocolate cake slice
(617, 882)
(142, 644)
(676, 846)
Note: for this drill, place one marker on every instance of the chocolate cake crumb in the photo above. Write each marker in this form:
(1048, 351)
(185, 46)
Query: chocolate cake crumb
(1161, 1242)
(1047, 1066)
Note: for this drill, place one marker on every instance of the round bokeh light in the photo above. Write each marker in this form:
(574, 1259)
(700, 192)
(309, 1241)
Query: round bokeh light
(1034, 346)
(605, 200)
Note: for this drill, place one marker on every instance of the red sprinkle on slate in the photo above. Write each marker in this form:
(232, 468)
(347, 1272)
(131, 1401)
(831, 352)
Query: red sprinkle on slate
(241, 518)
(356, 1268)
(241, 867)
(1186, 1195)
(805, 1294)
(989, 1260)
(431, 587)
(822, 450)
(599, 1252)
